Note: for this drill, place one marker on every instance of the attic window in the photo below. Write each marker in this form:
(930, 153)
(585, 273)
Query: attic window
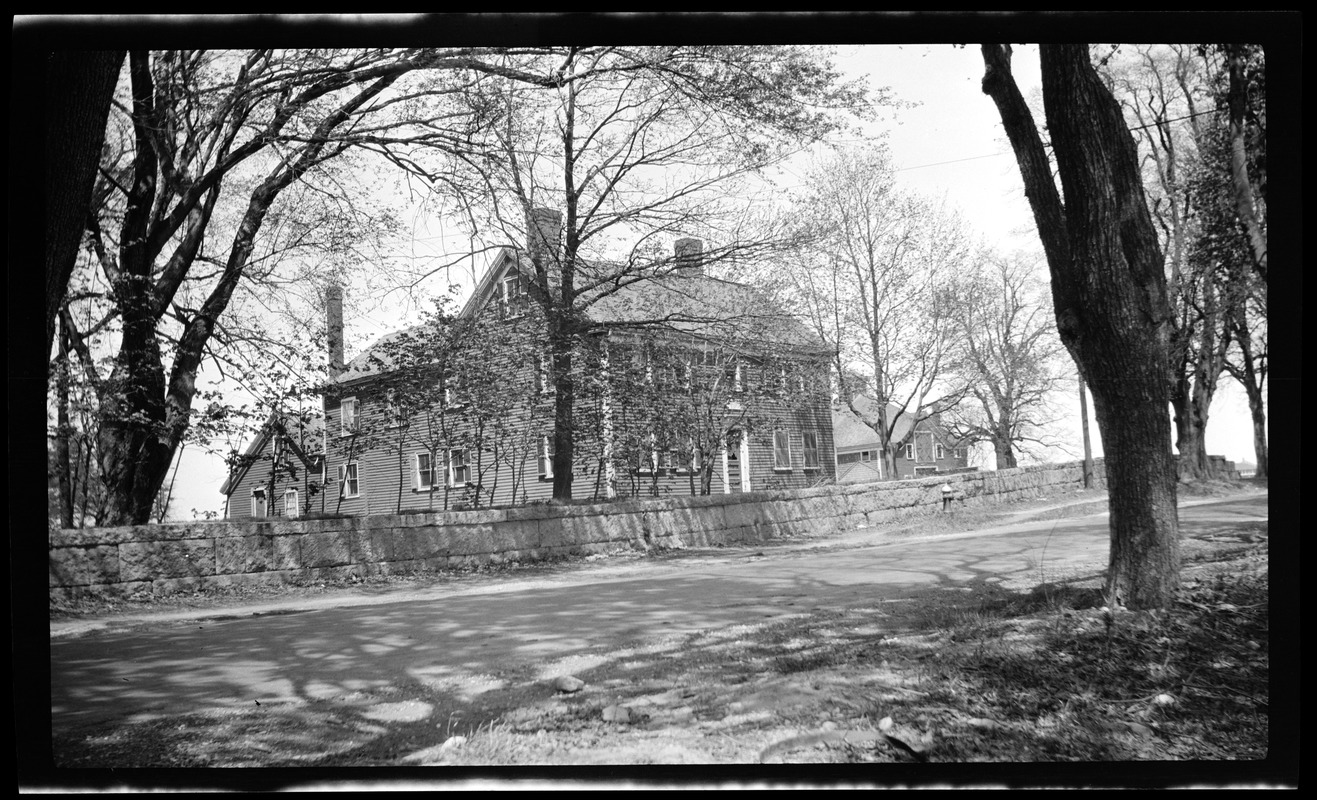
(514, 297)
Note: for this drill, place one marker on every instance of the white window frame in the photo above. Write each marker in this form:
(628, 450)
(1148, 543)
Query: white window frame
(296, 507)
(940, 451)
(910, 452)
(805, 450)
(263, 510)
(453, 468)
(349, 423)
(786, 439)
(420, 473)
(546, 456)
(344, 482)
(506, 298)
(543, 385)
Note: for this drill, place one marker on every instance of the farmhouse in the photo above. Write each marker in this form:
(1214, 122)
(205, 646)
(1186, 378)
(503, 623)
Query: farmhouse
(922, 448)
(281, 473)
(684, 383)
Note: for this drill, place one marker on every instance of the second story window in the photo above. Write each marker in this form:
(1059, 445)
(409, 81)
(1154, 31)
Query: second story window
(394, 412)
(348, 416)
(543, 378)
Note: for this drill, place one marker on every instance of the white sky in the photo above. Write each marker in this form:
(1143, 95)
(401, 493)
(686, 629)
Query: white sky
(952, 144)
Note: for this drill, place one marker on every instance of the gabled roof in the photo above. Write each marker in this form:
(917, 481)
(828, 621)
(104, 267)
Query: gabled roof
(703, 305)
(867, 408)
(379, 358)
(849, 433)
(306, 446)
(687, 301)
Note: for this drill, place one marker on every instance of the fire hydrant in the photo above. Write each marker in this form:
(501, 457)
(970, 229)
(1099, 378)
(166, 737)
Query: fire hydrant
(946, 497)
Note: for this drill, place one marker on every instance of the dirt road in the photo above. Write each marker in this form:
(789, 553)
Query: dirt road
(462, 642)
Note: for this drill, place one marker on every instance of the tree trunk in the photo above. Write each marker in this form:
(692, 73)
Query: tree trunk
(1005, 455)
(1239, 178)
(1109, 292)
(564, 399)
(63, 469)
(1259, 435)
(78, 89)
(1144, 563)
(1190, 440)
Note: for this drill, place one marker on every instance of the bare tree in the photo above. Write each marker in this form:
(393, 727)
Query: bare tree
(875, 280)
(1013, 362)
(1162, 89)
(214, 141)
(1113, 312)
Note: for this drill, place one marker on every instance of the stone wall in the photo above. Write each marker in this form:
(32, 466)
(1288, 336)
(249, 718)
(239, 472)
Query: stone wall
(162, 559)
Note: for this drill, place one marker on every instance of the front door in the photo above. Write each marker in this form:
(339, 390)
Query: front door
(736, 463)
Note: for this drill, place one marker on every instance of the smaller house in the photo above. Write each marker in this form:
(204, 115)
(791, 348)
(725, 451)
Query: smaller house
(281, 473)
(926, 448)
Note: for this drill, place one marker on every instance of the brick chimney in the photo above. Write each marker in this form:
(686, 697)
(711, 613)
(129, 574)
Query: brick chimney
(544, 235)
(689, 255)
(334, 328)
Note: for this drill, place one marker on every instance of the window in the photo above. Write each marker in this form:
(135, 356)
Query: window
(290, 503)
(546, 456)
(348, 416)
(811, 449)
(348, 485)
(736, 377)
(543, 384)
(941, 451)
(691, 464)
(910, 452)
(513, 296)
(643, 361)
(394, 413)
(781, 450)
(647, 460)
(425, 477)
(258, 503)
(459, 473)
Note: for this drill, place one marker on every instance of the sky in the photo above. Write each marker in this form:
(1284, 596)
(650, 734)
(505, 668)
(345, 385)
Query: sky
(950, 145)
